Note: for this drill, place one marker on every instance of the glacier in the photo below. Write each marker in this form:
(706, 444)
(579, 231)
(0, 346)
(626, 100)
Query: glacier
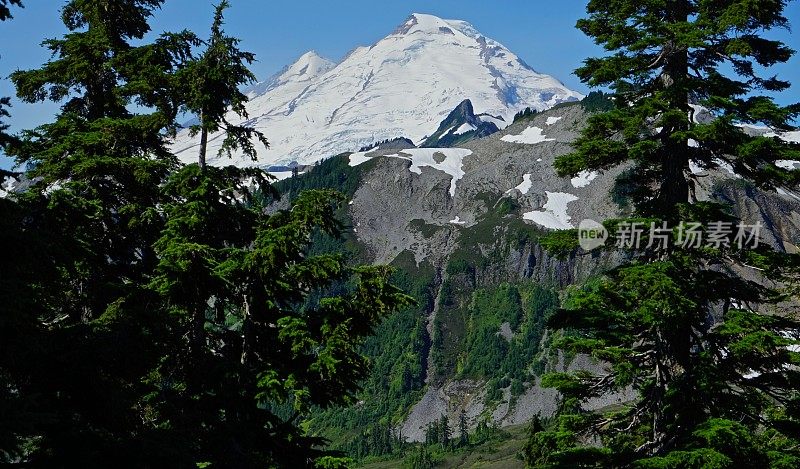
(403, 85)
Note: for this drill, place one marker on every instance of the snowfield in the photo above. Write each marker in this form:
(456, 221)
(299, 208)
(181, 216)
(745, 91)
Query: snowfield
(524, 187)
(554, 215)
(583, 179)
(452, 161)
(790, 165)
(529, 136)
(281, 175)
(463, 129)
(402, 86)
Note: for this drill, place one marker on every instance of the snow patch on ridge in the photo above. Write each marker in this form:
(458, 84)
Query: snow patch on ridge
(529, 136)
(583, 179)
(553, 120)
(281, 175)
(359, 158)
(452, 163)
(524, 187)
(554, 215)
(464, 129)
(727, 167)
(792, 137)
(789, 165)
(789, 137)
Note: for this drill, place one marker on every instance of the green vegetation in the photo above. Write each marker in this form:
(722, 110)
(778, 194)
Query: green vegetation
(714, 372)
(425, 229)
(210, 85)
(597, 101)
(488, 447)
(333, 173)
(397, 350)
(525, 114)
(487, 354)
(161, 314)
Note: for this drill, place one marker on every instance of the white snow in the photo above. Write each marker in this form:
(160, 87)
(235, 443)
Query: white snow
(359, 158)
(696, 169)
(727, 167)
(281, 175)
(403, 85)
(553, 120)
(529, 136)
(524, 187)
(583, 179)
(694, 143)
(791, 335)
(457, 221)
(554, 215)
(793, 137)
(308, 67)
(788, 164)
(6, 186)
(500, 123)
(452, 163)
(464, 129)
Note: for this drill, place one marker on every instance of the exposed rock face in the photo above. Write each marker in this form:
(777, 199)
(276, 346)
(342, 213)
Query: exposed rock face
(397, 210)
(460, 126)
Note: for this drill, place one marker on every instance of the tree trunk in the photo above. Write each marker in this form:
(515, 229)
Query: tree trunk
(203, 144)
(248, 330)
(674, 187)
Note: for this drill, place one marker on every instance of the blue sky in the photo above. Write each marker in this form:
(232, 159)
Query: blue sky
(541, 32)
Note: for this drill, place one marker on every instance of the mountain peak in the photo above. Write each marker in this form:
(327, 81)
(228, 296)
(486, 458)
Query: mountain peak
(305, 69)
(309, 65)
(424, 23)
(403, 85)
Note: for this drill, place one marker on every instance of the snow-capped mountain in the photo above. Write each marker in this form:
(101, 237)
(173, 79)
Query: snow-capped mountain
(402, 86)
(295, 76)
(461, 125)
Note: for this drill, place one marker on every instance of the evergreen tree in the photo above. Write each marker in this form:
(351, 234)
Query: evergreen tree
(286, 339)
(526, 113)
(98, 167)
(213, 84)
(208, 206)
(271, 330)
(18, 267)
(81, 236)
(5, 139)
(5, 11)
(463, 428)
(432, 433)
(668, 57)
(445, 434)
(160, 314)
(419, 459)
(714, 373)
